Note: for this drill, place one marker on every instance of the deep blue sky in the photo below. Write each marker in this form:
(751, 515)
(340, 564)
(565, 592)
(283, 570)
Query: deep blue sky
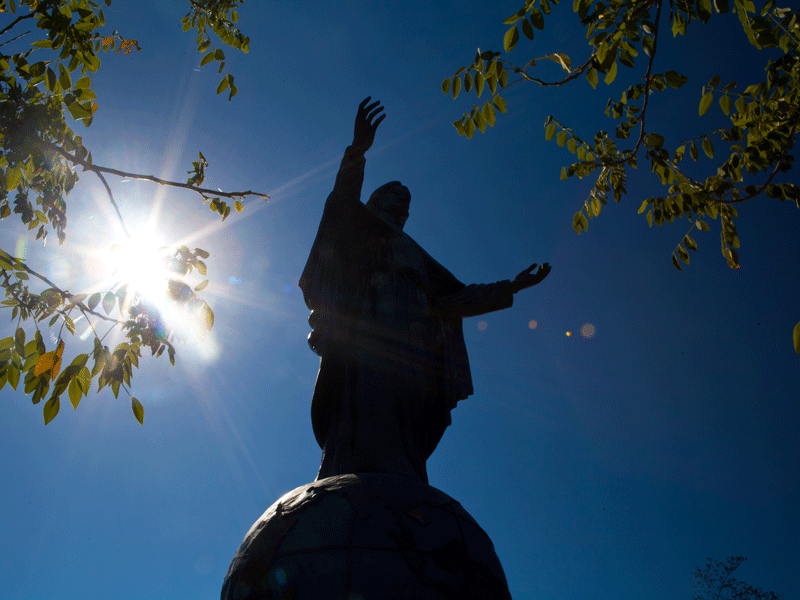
(602, 467)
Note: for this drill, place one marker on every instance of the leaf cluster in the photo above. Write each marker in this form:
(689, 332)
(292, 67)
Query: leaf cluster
(764, 115)
(220, 17)
(44, 86)
(141, 324)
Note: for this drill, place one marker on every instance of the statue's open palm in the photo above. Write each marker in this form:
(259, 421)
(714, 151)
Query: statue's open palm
(367, 124)
(530, 278)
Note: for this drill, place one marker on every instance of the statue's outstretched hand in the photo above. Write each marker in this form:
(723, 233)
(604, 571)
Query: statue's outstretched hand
(528, 278)
(367, 124)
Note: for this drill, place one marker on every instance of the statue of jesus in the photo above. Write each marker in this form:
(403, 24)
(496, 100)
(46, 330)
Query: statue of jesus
(386, 323)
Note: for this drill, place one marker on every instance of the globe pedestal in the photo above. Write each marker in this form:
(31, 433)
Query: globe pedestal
(365, 536)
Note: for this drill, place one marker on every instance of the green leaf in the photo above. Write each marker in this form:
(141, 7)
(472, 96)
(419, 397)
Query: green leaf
(721, 6)
(50, 410)
(469, 128)
(675, 262)
(643, 207)
(446, 85)
(63, 77)
(693, 152)
(479, 81)
(456, 87)
(725, 104)
(489, 114)
(51, 81)
(13, 177)
(219, 55)
(537, 19)
(94, 300)
(675, 79)
(591, 77)
(561, 138)
(649, 216)
(702, 225)
(510, 39)
(480, 122)
(499, 104)
(527, 29)
(708, 148)
(654, 140)
(549, 131)
(138, 410)
(223, 85)
(207, 58)
(714, 81)
(796, 338)
(108, 302)
(201, 286)
(468, 82)
(705, 102)
(79, 111)
(612, 73)
(74, 392)
(572, 145)
(690, 243)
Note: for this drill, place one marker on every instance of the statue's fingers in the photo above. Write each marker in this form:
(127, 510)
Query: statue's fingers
(364, 103)
(374, 114)
(378, 122)
(531, 268)
(369, 108)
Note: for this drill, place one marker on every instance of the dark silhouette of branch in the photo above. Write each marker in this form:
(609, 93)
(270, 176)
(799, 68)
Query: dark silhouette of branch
(204, 192)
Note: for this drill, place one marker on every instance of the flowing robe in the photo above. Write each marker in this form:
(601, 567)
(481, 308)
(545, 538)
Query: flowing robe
(386, 321)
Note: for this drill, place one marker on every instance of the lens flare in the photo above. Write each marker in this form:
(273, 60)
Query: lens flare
(568, 334)
(482, 325)
(588, 330)
(532, 324)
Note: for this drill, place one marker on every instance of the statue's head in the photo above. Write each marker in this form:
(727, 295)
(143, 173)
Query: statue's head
(390, 202)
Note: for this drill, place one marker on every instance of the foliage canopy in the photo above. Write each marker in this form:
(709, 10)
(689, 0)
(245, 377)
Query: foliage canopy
(753, 155)
(45, 87)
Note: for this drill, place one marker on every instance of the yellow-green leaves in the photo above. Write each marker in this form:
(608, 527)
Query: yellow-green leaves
(591, 77)
(51, 408)
(796, 338)
(705, 102)
(13, 177)
(510, 39)
(138, 410)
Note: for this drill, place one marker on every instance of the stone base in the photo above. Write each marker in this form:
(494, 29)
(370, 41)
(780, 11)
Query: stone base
(366, 536)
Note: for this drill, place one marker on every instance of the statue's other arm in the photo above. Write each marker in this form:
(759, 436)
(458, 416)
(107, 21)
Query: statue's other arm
(478, 299)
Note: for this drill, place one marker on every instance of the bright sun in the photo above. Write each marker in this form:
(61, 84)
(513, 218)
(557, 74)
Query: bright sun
(139, 263)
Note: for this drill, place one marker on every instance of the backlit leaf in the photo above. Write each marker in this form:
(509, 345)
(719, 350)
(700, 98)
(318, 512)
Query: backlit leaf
(50, 410)
(591, 77)
(708, 148)
(499, 104)
(675, 79)
(108, 302)
(705, 102)
(796, 338)
(510, 39)
(702, 225)
(138, 410)
(446, 85)
(549, 131)
(725, 104)
(456, 87)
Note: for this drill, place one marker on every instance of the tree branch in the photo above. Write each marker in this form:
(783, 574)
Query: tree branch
(15, 21)
(98, 169)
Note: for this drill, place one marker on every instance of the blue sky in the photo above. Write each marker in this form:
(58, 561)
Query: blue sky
(604, 466)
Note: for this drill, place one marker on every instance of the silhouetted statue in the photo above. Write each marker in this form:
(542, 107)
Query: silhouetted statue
(386, 321)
